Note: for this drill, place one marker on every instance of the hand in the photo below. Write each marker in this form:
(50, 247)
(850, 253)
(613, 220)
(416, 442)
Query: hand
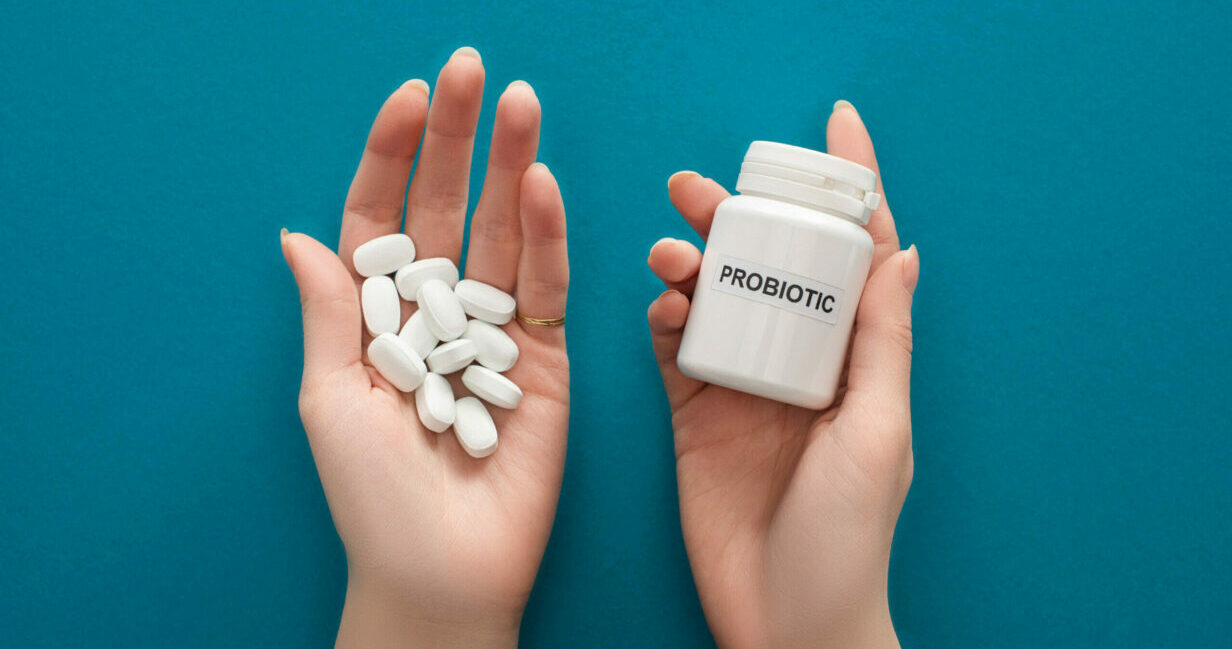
(788, 513)
(442, 548)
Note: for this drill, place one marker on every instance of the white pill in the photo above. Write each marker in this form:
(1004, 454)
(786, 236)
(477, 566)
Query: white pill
(451, 356)
(492, 387)
(412, 276)
(434, 403)
(494, 349)
(383, 255)
(416, 332)
(442, 311)
(485, 301)
(396, 361)
(382, 310)
(474, 427)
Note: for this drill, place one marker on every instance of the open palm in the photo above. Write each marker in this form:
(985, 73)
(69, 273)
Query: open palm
(788, 513)
(455, 541)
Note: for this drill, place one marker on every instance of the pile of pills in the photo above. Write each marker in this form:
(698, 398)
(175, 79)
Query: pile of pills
(439, 338)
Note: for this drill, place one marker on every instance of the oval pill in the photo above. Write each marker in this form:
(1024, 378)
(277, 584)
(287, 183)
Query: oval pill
(485, 301)
(412, 276)
(416, 332)
(494, 349)
(379, 300)
(474, 427)
(396, 361)
(451, 356)
(492, 387)
(442, 311)
(434, 403)
(383, 255)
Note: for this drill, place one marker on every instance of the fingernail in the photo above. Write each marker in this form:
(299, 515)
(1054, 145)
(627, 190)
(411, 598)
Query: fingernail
(467, 50)
(539, 165)
(679, 174)
(519, 84)
(286, 254)
(418, 83)
(911, 269)
(843, 103)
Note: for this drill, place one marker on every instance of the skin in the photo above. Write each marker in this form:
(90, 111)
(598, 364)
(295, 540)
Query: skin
(442, 548)
(788, 514)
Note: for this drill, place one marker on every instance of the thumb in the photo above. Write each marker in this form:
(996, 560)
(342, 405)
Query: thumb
(332, 327)
(880, 374)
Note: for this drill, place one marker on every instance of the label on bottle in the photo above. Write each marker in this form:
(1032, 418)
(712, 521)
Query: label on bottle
(778, 288)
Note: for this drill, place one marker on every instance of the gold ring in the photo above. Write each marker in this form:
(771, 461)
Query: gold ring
(542, 322)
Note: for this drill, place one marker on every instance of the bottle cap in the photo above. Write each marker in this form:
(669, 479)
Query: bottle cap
(812, 178)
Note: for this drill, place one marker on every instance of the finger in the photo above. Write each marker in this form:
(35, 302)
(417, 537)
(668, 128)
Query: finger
(543, 271)
(880, 374)
(695, 198)
(666, 316)
(330, 306)
(374, 202)
(847, 138)
(436, 205)
(675, 262)
(496, 229)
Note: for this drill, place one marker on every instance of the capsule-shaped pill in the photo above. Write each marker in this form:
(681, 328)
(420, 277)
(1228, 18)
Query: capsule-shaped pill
(494, 349)
(442, 311)
(451, 356)
(434, 403)
(416, 332)
(410, 277)
(492, 387)
(474, 427)
(396, 361)
(485, 301)
(382, 310)
(383, 255)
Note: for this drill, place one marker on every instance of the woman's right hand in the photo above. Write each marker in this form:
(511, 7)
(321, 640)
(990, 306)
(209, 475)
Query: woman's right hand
(442, 548)
(788, 514)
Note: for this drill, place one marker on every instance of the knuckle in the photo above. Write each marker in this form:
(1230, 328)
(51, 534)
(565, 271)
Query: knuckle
(372, 211)
(497, 227)
(906, 475)
(327, 306)
(890, 450)
(886, 241)
(439, 201)
(308, 402)
(550, 285)
(894, 457)
(896, 331)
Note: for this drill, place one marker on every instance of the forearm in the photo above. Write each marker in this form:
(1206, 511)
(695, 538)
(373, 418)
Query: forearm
(868, 627)
(375, 617)
(872, 630)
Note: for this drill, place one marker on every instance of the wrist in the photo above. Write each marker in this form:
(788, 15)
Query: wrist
(377, 615)
(876, 632)
(857, 626)
(869, 628)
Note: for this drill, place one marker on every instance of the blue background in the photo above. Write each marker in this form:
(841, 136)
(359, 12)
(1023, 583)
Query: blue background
(1063, 171)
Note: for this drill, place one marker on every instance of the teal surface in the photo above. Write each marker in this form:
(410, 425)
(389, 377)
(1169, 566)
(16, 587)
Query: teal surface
(1064, 172)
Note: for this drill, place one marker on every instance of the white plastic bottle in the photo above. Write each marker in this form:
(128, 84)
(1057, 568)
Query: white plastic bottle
(781, 277)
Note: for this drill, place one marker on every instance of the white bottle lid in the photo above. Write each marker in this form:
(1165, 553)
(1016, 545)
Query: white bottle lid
(812, 178)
